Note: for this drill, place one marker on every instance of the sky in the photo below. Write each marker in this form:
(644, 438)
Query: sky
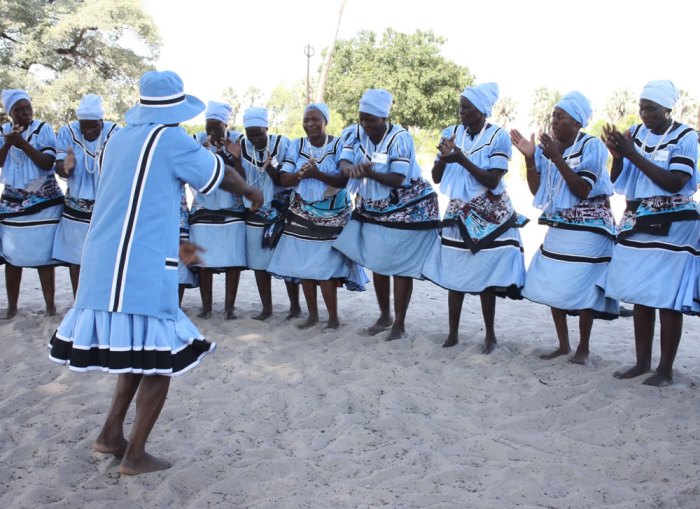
(594, 46)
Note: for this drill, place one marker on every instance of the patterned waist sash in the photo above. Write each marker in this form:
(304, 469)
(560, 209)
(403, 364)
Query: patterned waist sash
(77, 209)
(407, 208)
(320, 220)
(483, 219)
(591, 214)
(655, 215)
(19, 202)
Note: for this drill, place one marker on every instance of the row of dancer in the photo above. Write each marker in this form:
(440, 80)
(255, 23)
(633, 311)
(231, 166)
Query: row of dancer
(308, 235)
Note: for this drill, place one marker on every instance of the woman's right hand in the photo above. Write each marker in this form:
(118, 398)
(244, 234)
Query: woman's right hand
(69, 162)
(358, 171)
(525, 146)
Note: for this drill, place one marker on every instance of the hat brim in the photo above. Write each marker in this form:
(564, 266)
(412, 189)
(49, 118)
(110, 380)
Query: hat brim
(189, 108)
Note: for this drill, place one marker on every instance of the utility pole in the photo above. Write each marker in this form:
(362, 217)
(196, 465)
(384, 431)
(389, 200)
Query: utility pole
(309, 52)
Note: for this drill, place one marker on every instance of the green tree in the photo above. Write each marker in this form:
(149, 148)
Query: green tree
(62, 49)
(622, 103)
(504, 111)
(543, 101)
(424, 84)
(231, 97)
(686, 109)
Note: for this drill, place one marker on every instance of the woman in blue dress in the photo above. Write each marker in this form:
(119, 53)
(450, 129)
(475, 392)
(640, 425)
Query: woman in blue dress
(656, 261)
(31, 201)
(479, 249)
(567, 175)
(260, 159)
(217, 220)
(126, 319)
(77, 148)
(395, 220)
(319, 209)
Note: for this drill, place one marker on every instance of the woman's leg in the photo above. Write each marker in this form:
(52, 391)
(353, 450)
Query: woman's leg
(233, 277)
(403, 288)
(454, 306)
(644, 319)
(488, 311)
(293, 294)
(111, 439)
(264, 282)
(671, 330)
(559, 317)
(309, 287)
(74, 272)
(585, 324)
(206, 277)
(47, 278)
(329, 290)
(382, 289)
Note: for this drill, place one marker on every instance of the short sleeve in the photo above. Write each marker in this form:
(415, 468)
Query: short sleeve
(194, 164)
(500, 152)
(289, 164)
(63, 141)
(593, 160)
(401, 154)
(46, 140)
(684, 154)
(349, 140)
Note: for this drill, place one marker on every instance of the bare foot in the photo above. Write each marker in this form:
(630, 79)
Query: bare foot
(310, 322)
(294, 312)
(50, 311)
(229, 314)
(263, 315)
(206, 313)
(396, 333)
(115, 448)
(382, 324)
(452, 340)
(633, 372)
(659, 379)
(146, 464)
(489, 346)
(580, 357)
(332, 324)
(556, 353)
(11, 313)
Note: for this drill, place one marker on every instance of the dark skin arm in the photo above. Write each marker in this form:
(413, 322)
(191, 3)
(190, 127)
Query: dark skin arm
(234, 183)
(311, 171)
(527, 148)
(553, 150)
(363, 170)
(623, 147)
(450, 153)
(15, 139)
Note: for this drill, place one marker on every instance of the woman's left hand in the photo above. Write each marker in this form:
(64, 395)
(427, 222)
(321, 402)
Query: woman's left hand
(550, 147)
(233, 148)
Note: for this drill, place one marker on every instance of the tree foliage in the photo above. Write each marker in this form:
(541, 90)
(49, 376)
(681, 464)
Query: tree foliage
(60, 50)
(543, 101)
(424, 84)
(505, 111)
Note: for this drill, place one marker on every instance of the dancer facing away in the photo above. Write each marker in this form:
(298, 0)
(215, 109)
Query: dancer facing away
(479, 250)
(566, 174)
(31, 201)
(655, 262)
(77, 148)
(260, 159)
(217, 220)
(320, 208)
(126, 318)
(396, 217)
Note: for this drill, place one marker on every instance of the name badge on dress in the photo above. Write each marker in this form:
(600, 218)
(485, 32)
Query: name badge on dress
(380, 158)
(661, 156)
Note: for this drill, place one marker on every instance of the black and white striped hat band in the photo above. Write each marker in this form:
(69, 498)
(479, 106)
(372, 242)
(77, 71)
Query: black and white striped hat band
(161, 102)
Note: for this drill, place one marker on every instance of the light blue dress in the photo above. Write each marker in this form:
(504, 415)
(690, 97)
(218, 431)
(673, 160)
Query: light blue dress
(566, 271)
(316, 216)
(126, 317)
(82, 185)
(392, 229)
(217, 222)
(656, 261)
(479, 245)
(31, 202)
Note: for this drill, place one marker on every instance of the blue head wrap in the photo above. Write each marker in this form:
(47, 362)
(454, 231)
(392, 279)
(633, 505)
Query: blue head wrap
(218, 111)
(483, 96)
(90, 108)
(322, 107)
(577, 106)
(255, 117)
(377, 102)
(10, 98)
(662, 92)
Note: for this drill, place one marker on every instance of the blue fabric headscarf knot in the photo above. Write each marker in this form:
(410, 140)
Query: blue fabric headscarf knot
(322, 107)
(255, 117)
(577, 106)
(90, 108)
(10, 98)
(218, 111)
(377, 102)
(483, 97)
(662, 92)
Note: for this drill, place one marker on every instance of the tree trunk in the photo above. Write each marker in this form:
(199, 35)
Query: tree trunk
(329, 56)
